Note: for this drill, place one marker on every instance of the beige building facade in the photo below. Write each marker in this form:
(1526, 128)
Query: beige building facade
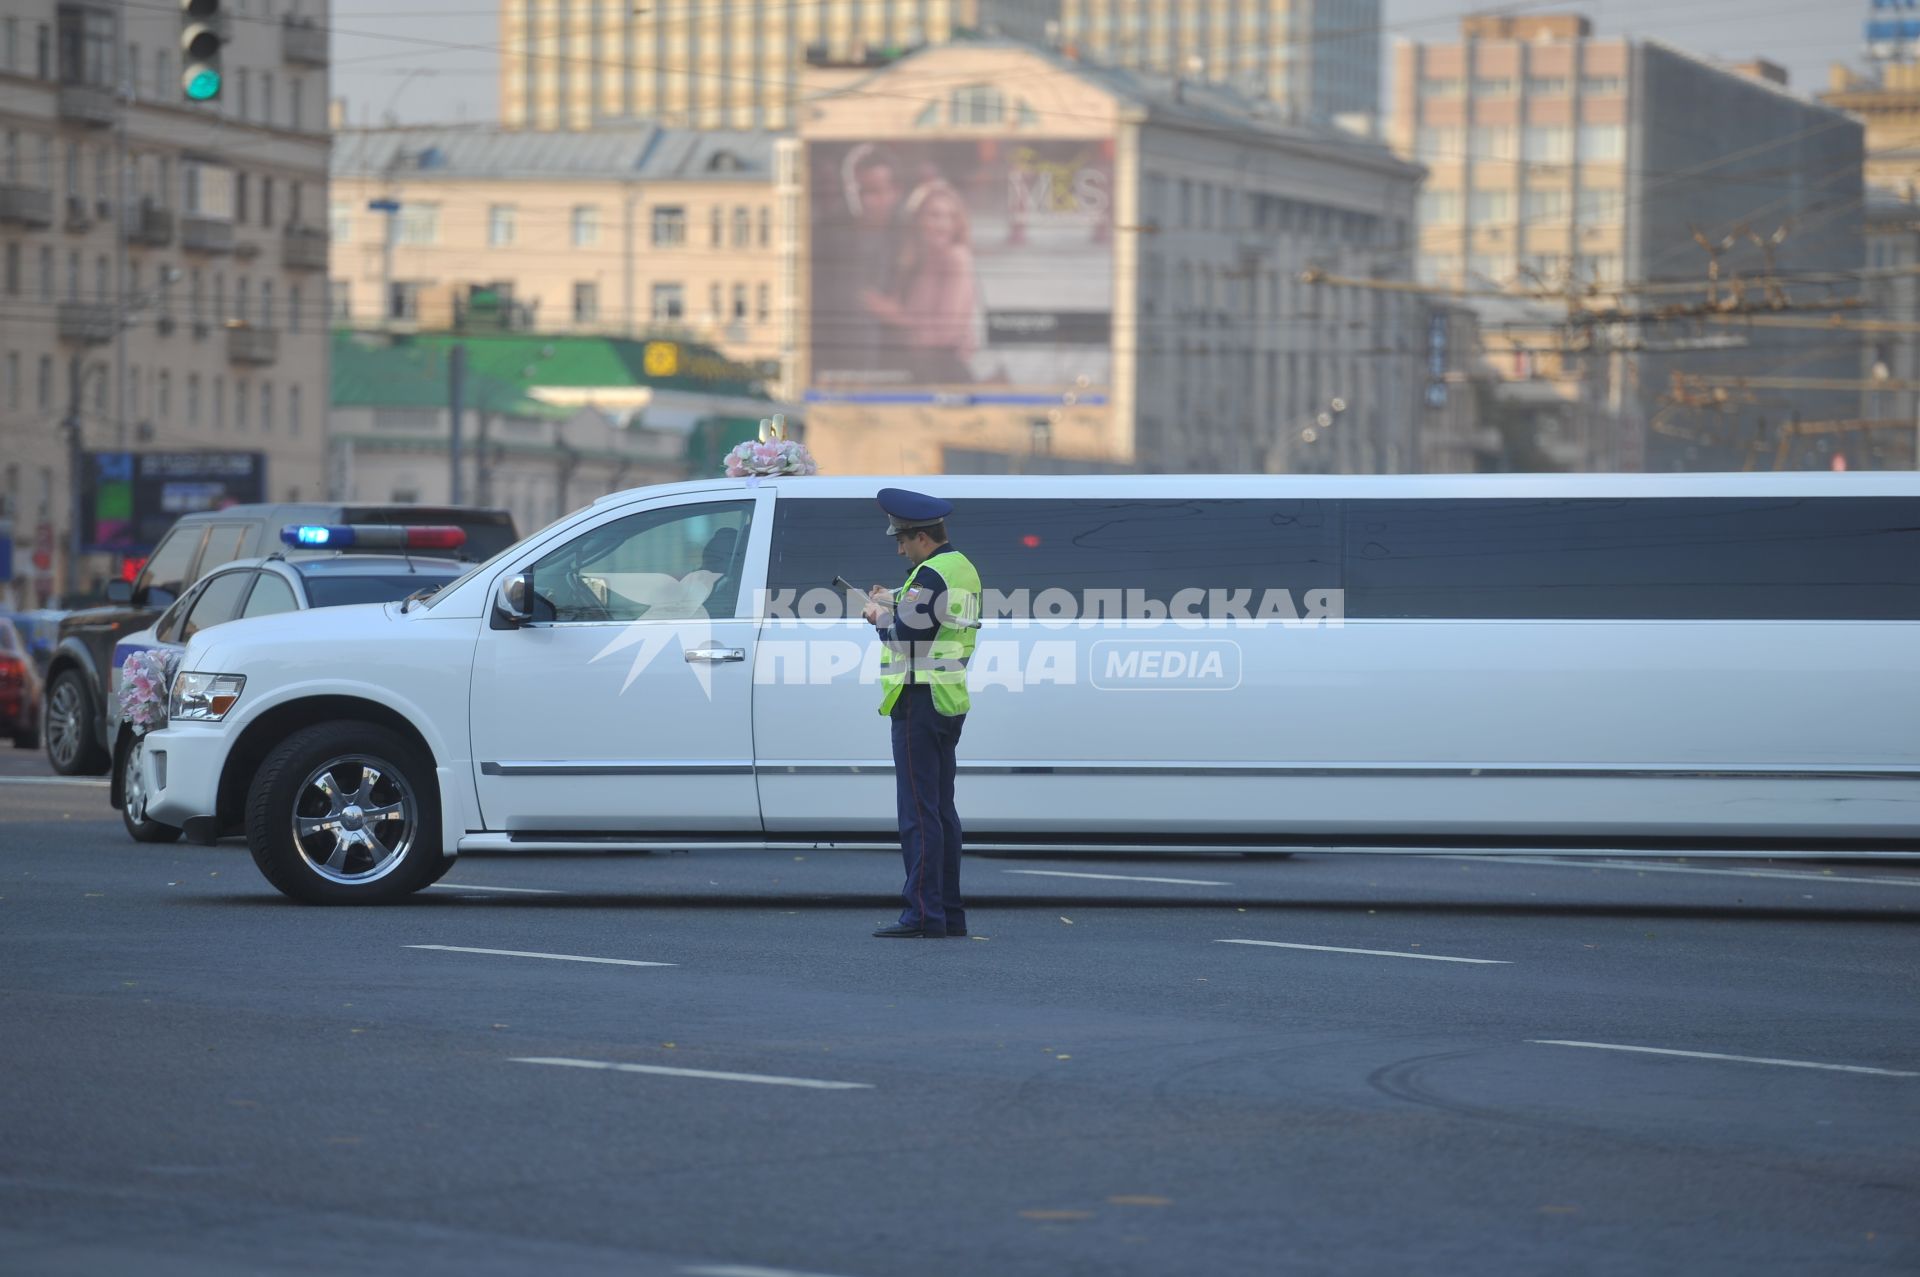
(1559, 185)
(1319, 58)
(162, 264)
(572, 64)
(618, 231)
(1004, 259)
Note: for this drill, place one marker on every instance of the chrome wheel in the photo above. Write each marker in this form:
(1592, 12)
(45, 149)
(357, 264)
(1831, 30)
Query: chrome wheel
(66, 723)
(354, 819)
(133, 785)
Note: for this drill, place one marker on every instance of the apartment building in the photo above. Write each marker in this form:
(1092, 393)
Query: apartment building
(1005, 259)
(697, 64)
(1319, 58)
(1563, 165)
(162, 263)
(620, 230)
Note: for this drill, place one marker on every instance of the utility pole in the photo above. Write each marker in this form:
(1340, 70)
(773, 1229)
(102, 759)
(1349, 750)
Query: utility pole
(456, 406)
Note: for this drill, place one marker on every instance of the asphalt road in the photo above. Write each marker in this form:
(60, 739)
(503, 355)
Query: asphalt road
(1114, 1075)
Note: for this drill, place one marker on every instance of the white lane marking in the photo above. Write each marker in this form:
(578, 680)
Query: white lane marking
(1374, 953)
(1062, 873)
(1711, 1055)
(555, 957)
(746, 1270)
(1795, 875)
(517, 891)
(661, 1070)
(54, 780)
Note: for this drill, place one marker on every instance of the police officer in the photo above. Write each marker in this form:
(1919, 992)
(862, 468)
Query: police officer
(927, 629)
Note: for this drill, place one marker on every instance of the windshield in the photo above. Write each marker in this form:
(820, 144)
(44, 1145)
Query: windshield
(478, 568)
(338, 591)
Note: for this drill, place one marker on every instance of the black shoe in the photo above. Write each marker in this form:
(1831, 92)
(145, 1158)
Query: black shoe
(957, 935)
(901, 931)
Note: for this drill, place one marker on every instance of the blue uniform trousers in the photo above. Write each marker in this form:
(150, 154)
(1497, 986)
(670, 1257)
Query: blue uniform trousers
(923, 767)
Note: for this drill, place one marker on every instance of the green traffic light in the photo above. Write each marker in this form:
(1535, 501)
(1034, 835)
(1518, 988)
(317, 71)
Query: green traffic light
(203, 84)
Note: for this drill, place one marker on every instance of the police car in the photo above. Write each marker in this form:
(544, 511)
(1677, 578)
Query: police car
(313, 572)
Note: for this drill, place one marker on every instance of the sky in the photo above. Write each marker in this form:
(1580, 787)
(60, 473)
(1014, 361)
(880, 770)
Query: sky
(422, 61)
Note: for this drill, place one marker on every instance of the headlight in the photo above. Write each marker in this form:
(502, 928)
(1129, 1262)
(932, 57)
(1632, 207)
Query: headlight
(204, 698)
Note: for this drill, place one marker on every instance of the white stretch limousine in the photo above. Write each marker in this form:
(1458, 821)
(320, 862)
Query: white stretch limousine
(1709, 662)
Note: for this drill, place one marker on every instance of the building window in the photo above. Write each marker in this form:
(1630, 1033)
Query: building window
(762, 309)
(742, 227)
(1599, 86)
(1437, 206)
(669, 225)
(1545, 206)
(293, 410)
(1491, 206)
(13, 379)
(193, 399)
(739, 303)
(266, 97)
(977, 104)
(586, 303)
(1438, 141)
(1603, 269)
(266, 202)
(266, 303)
(340, 221)
(86, 46)
(419, 223)
(219, 403)
(240, 299)
(266, 407)
(714, 303)
(1440, 88)
(403, 301)
(1493, 142)
(1600, 207)
(500, 225)
(46, 274)
(163, 397)
(1549, 143)
(766, 227)
(1603, 141)
(586, 226)
(294, 103)
(340, 300)
(1492, 87)
(1546, 86)
(669, 300)
(13, 270)
(240, 401)
(293, 308)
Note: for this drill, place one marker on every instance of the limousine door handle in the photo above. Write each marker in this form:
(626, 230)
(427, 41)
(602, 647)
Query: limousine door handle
(717, 655)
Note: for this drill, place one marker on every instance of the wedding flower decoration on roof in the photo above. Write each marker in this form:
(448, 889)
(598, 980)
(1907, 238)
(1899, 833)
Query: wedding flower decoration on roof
(770, 454)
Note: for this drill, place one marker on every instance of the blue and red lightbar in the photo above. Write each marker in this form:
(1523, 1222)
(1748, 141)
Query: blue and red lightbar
(372, 536)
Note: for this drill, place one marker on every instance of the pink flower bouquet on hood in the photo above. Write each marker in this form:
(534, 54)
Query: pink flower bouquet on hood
(145, 680)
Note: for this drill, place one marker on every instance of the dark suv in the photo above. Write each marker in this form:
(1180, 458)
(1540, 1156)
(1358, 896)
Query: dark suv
(78, 726)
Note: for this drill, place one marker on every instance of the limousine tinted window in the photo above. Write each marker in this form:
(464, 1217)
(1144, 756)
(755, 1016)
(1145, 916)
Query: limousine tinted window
(1159, 547)
(1708, 558)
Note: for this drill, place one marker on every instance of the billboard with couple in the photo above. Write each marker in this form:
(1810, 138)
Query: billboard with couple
(961, 264)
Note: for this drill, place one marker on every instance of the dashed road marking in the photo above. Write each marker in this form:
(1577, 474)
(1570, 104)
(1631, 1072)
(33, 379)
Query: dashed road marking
(1795, 875)
(552, 957)
(661, 1070)
(90, 781)
(1372, 953)
(1062, 873)
(516, 891)
(1713, 1055)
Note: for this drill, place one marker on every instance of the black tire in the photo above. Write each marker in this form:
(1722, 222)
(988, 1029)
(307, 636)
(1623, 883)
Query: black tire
(73, 739)
(133, 801)
(389, 772)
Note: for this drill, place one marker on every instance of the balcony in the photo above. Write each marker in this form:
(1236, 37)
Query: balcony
(206, 234)
(26, 205)
(304, 248)
(149, 224)
(88, 104)
(249, 345)
(88, 323)
(302, 42)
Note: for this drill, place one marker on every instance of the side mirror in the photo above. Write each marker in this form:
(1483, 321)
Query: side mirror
(513, 601)
(119, 592)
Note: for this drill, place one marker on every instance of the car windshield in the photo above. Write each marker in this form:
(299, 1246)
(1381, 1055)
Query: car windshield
(478, 568)
(337, 591)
